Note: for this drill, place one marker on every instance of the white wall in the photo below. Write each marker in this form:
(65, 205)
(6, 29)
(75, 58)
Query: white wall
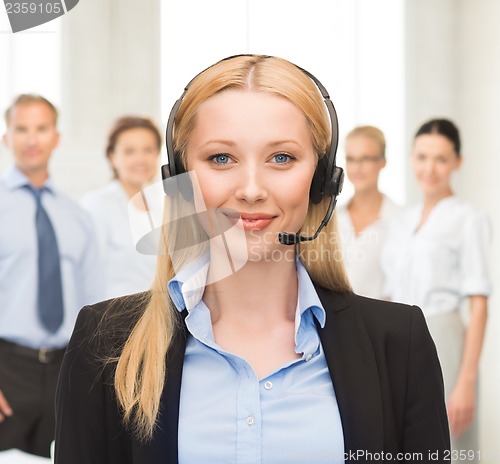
(431, 69)
(30, 63)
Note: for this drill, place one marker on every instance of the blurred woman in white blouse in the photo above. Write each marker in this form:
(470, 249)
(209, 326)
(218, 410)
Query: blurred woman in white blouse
(436, 257)
(364, 218)
(133, 149)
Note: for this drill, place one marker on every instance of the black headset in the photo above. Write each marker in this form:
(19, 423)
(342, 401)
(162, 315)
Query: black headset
(328, 178)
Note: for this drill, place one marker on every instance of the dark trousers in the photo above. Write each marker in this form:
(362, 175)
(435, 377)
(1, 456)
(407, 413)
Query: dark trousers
(28, 381)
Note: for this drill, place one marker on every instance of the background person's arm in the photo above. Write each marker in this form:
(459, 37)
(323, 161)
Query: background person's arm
(461, 404)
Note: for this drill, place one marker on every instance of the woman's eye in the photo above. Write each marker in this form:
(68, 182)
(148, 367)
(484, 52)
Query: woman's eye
(282, 158)
(220, 159)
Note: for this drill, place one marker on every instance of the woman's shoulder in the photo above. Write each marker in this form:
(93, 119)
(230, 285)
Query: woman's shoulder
(459, 214)
(372, 307)
(466, 209)
(377, 316)
(388, 313)
(104, 327)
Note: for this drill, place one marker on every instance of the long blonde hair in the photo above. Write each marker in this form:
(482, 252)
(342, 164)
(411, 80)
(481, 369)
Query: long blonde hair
(141, 367)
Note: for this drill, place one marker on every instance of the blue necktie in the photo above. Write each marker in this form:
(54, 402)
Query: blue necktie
(50, 295)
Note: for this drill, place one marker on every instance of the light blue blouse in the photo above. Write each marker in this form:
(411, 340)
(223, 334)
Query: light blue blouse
(228, 415)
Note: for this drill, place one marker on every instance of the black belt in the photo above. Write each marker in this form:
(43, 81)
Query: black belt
(42, 355)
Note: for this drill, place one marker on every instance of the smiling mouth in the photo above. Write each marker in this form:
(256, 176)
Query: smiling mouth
(250, 221)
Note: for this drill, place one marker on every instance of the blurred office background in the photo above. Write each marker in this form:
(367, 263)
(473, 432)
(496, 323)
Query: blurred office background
(389, 63)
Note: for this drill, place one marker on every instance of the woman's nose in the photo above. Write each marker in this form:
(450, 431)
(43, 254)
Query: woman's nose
(430, 167)
(251, 185)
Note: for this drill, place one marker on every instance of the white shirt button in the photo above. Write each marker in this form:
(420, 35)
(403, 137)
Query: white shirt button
(250, 420)
(268, 385)
(309, 357)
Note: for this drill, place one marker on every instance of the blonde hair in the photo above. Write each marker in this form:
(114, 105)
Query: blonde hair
(140, 371)
(371, 132)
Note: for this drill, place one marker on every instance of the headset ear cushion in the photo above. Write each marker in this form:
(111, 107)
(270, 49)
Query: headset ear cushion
(336, 182)
(318, 181)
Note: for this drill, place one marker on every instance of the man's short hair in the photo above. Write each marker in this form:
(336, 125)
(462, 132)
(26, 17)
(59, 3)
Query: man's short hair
(27, 98)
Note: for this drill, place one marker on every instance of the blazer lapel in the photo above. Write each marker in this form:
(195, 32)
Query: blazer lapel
(353, 369)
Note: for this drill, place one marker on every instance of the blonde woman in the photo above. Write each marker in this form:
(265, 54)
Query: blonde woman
(364, 219)
(250, 350)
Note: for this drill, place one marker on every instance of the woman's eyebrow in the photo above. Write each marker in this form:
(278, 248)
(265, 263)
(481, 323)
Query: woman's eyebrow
(283, 142)
(230, 143)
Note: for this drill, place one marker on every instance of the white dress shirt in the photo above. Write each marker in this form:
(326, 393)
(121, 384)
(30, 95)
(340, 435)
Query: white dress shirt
(443, 262)
(362, 251)
(116, 220)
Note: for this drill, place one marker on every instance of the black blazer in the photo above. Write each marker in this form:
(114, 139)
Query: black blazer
(381, 358)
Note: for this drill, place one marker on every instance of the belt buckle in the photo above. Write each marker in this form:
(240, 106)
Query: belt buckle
(43, 356)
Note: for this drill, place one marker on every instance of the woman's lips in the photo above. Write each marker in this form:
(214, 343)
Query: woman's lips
(251, 221)
(255, 224)
(429, 181)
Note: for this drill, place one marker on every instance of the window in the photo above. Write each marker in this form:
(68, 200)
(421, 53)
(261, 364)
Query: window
(30, 62)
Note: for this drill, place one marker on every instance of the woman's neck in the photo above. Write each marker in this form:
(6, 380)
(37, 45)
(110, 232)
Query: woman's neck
(260, 293)
(432, 200)
(364, 209)
(132, 190)
(366, 200)
(253, 314)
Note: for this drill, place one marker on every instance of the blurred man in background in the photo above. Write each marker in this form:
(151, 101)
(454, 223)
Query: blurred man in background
(49, 269)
